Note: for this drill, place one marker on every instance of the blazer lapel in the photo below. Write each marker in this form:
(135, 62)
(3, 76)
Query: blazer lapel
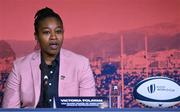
(62, 71)
(36, 73)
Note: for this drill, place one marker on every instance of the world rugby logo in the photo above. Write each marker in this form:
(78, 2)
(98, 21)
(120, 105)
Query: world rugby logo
(151, 89)
(157, 92)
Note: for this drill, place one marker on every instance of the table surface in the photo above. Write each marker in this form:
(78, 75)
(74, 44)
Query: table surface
(94, 110)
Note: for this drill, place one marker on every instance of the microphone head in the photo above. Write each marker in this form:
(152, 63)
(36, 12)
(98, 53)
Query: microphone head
(45, 77)
(45, 81)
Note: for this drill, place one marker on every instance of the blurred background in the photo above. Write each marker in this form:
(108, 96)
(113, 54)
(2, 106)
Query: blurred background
(125, 40)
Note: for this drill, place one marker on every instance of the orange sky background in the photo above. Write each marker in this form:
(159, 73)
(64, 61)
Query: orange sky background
(84, 17)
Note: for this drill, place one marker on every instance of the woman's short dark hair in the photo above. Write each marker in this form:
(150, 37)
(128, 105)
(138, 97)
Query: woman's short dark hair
(44, 13)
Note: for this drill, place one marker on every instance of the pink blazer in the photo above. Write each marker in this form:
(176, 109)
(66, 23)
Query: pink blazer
(24, 82)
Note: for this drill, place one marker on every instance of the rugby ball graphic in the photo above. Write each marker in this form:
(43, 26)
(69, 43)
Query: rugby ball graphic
(157, 92)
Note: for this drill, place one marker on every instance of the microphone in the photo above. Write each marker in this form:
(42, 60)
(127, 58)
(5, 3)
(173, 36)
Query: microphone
(45, 78)
(45, 81)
